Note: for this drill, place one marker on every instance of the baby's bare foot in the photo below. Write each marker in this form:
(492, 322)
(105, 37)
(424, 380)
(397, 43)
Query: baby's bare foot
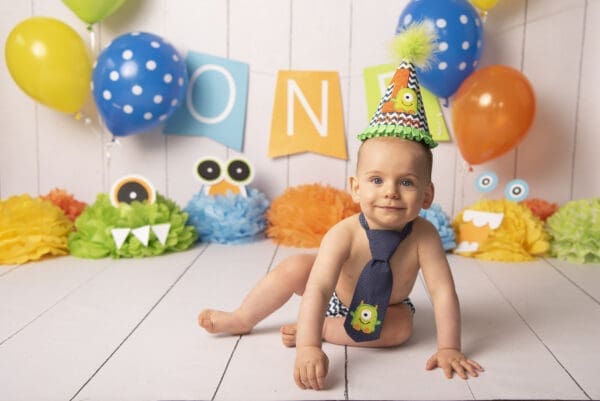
(288, 335)
(216, 321)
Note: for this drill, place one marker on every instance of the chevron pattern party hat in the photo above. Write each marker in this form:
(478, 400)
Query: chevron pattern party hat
(401, 112)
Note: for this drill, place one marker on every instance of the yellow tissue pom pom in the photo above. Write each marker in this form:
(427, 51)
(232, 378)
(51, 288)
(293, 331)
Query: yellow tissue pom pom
(520, 237)
(31, 228)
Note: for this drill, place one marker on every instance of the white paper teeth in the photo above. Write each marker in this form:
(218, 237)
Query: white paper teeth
(467, 246)
(141, 233)
(480, 219)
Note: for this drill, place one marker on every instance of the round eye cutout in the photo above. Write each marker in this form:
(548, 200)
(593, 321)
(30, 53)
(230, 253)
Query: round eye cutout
(486, 181)
(209, 170)
(516, 190)
(239, 171)
(131, 188)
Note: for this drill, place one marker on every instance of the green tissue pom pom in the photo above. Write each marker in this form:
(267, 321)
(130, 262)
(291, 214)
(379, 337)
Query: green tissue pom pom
(575, 231)
(93, 238)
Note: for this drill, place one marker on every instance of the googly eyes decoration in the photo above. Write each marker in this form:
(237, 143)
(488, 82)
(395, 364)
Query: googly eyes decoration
(486, 181)
(516, 190)
(131, 188)
(218, 178)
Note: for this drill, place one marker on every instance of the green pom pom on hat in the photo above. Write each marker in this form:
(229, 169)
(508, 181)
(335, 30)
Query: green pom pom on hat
(401, 112)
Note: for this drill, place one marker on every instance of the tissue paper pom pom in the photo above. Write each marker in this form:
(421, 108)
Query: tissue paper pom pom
(436, 216)
(575, 231)
(229, 219)
(541, 208)
(66, 201)
(93, 238)
(520, 237)
(302, 215)
(31, 228)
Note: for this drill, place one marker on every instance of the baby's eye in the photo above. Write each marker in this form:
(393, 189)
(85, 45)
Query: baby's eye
(406, 183)
(377, 180)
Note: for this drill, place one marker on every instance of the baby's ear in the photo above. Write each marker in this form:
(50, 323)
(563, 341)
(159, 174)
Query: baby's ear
(353, 185)
(429, 195)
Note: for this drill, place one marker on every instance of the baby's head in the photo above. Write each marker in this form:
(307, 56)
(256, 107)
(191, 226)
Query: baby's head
(393, 181)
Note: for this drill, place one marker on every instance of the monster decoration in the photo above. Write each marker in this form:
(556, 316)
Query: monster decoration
(225, 210)
(500, 230)
(31, 228)
(133, 220)
(364, 318)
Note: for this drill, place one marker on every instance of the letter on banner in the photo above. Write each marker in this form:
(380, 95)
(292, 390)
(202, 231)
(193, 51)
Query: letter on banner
(308, 115)
(377, 79)
(215, 103)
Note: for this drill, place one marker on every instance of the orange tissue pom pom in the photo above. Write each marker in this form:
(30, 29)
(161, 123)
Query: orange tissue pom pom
(66, 201)
(540, 207)
(302, 215)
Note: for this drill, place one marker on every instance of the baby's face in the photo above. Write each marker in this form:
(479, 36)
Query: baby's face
(392, 182)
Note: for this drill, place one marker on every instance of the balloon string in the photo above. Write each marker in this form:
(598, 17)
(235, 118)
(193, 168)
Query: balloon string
(112, 144)
(94, 42)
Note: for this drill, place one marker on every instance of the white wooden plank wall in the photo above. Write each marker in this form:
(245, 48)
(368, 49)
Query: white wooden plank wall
(556, 44)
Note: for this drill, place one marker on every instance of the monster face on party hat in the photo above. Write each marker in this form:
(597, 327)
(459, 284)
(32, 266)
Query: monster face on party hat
(400, 112)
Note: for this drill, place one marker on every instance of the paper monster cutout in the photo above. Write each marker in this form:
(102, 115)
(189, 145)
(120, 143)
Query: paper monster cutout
(477, 225)
(219, 178)
(128, 189)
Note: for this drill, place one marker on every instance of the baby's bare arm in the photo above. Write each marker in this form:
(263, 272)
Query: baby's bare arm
(440, 284)
(311, 363)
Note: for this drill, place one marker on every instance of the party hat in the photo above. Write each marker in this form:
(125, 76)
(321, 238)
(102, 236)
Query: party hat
(401, 112)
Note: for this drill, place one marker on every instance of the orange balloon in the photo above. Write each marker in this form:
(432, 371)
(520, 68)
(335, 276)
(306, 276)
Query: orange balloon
(492, 112)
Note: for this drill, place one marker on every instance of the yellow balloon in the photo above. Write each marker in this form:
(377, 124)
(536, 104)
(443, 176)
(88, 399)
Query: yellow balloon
(50, 62)
(484, 5)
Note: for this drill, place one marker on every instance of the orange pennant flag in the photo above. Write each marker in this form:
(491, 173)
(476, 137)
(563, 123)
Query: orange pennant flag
(308, 115)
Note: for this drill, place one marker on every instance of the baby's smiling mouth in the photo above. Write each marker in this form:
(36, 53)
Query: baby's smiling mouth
(390, 207)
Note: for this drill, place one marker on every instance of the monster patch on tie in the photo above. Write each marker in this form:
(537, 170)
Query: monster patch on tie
(364, 318)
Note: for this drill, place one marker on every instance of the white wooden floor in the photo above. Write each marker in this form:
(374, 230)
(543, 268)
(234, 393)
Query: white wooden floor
(73, 329)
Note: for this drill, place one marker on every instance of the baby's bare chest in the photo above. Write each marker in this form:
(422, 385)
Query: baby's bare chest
(404, 264)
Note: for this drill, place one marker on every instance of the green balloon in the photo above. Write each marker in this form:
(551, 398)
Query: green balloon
(92, 11)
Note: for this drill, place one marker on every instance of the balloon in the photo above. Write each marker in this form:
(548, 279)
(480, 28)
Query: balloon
(460, 41)
(492, 112)
(92, 11)
(484, 5)
(49, 62)
(138, 82)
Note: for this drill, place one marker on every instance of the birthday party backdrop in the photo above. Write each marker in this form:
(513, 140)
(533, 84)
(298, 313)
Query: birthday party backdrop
(552, 44)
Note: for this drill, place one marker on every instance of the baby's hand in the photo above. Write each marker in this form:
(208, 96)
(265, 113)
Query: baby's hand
(452, 360)
(310, 368)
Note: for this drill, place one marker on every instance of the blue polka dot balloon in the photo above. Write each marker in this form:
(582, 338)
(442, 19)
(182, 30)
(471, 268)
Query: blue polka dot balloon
(138, 81)
(460, 41)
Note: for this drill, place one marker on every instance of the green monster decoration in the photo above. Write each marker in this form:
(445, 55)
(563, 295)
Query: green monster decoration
(134, 221)
(406, 101)
(364, 318)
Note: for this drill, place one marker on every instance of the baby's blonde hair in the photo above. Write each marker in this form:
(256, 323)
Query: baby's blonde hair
(426, 153)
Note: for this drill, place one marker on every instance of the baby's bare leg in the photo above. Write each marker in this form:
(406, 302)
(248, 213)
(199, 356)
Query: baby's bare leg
(271, 292)
(396, 330)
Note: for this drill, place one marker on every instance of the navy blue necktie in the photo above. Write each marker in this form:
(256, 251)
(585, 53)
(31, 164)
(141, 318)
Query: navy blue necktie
(374, 287)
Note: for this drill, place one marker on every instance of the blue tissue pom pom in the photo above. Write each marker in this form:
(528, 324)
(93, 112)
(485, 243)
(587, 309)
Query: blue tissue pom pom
(228, 219)
(436, 216)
